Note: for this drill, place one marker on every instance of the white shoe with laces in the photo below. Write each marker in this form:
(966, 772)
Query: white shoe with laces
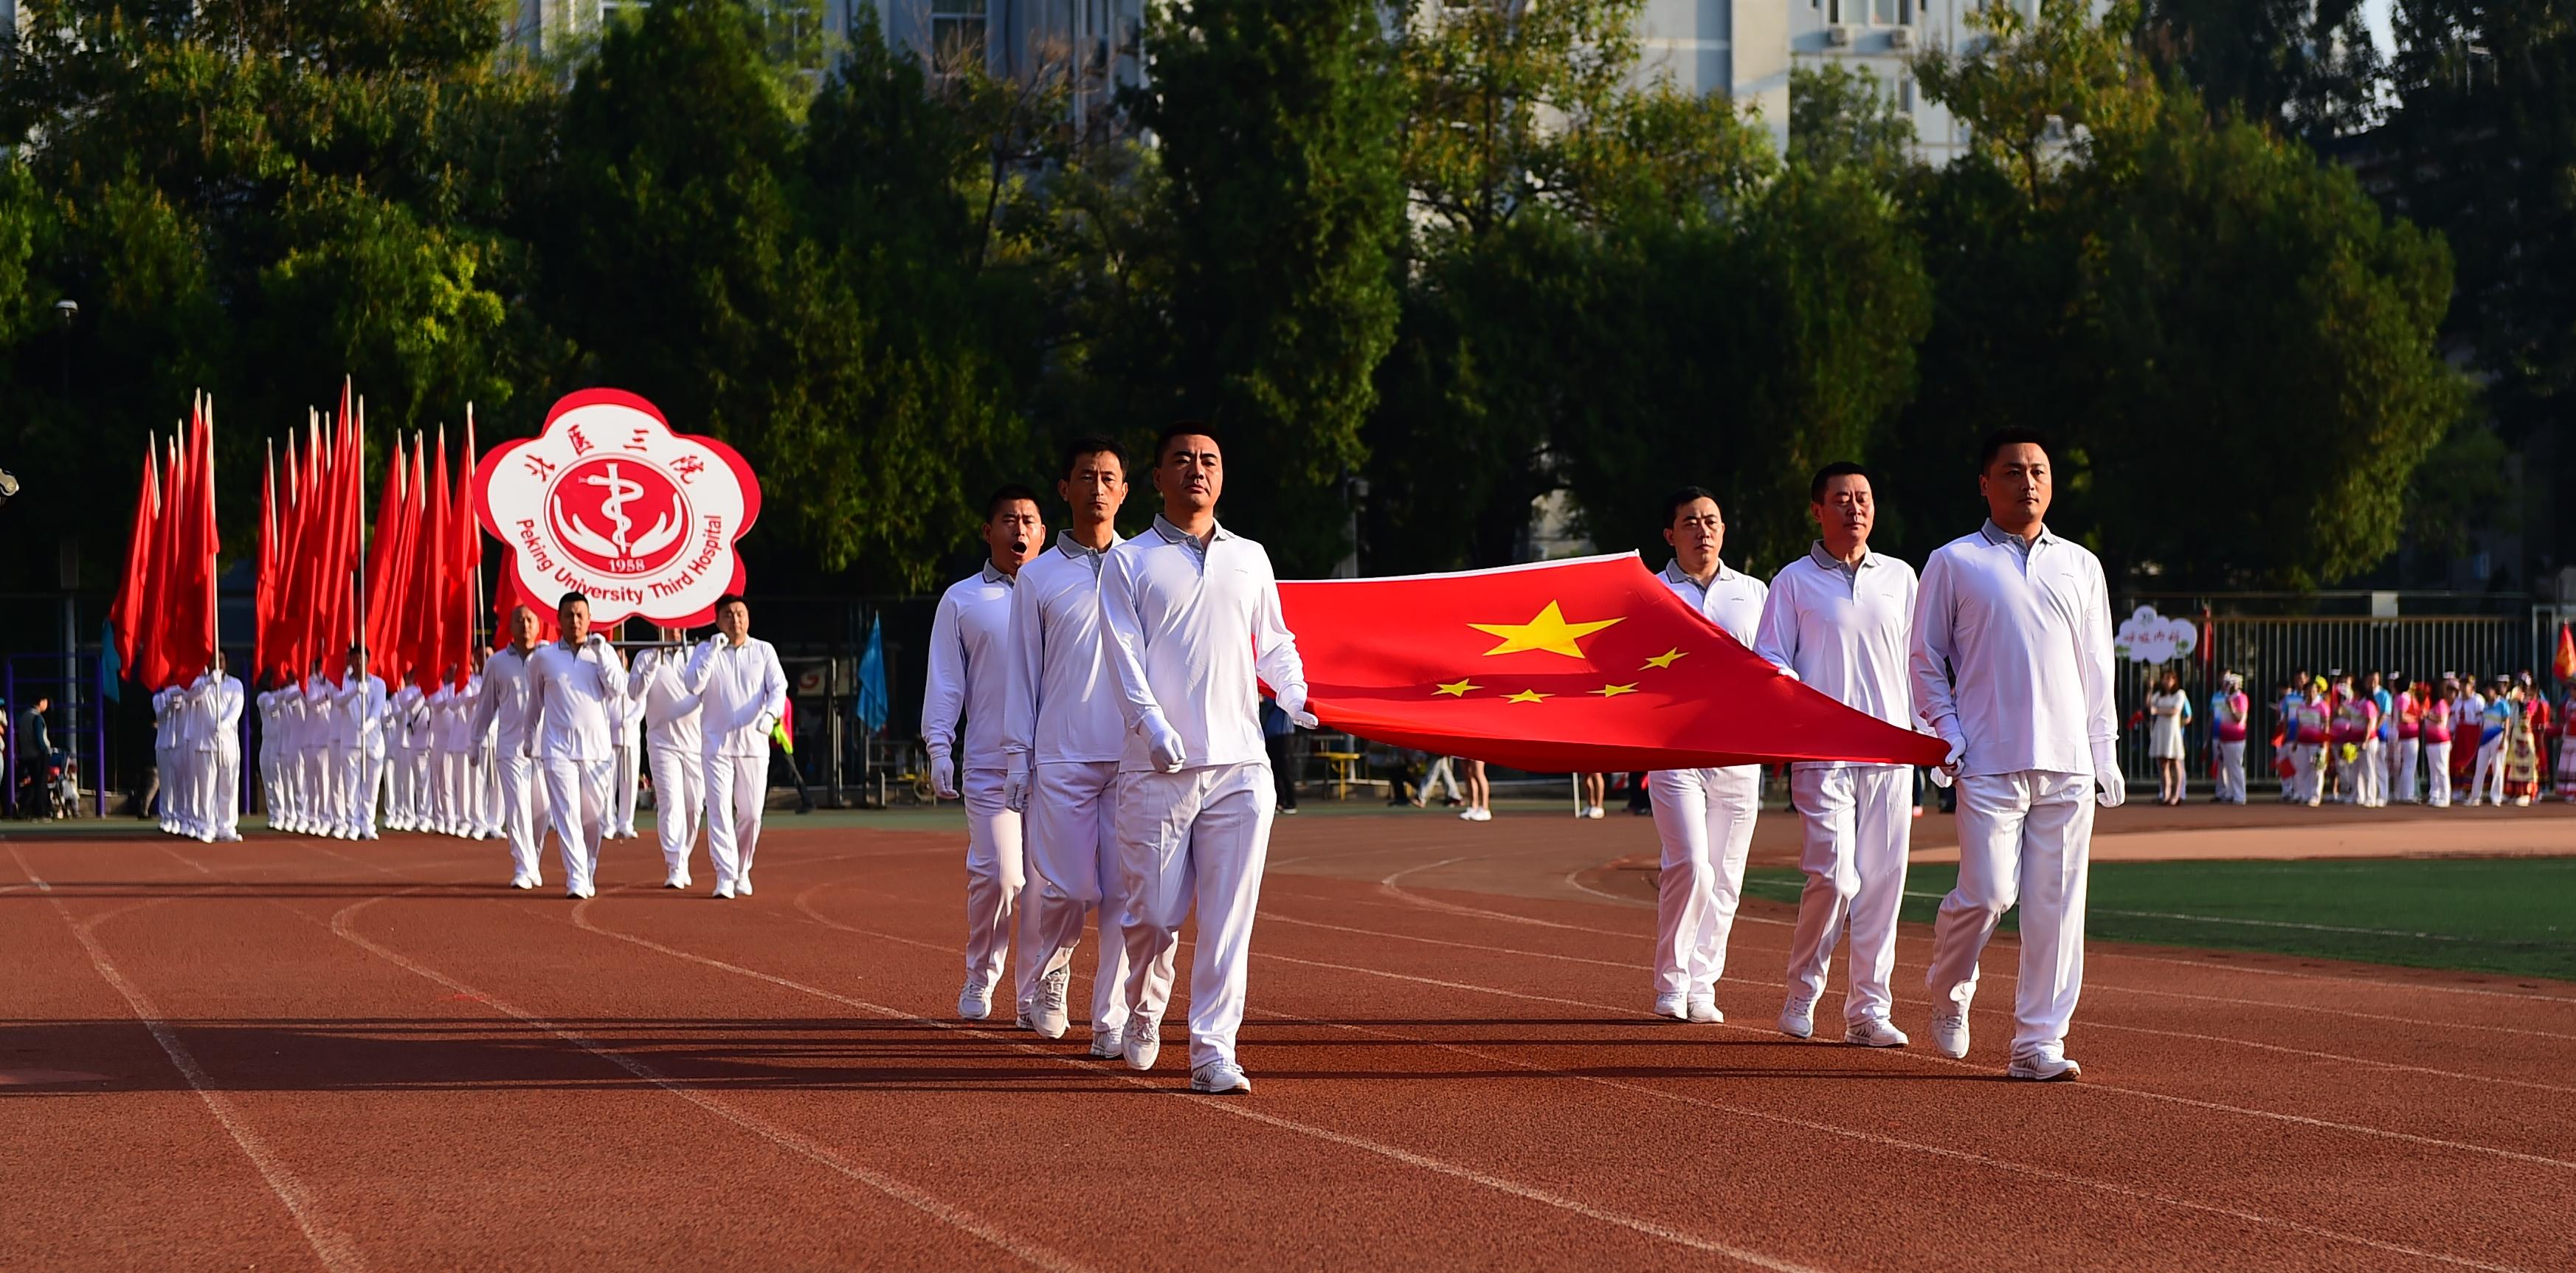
(1595, 812)
(1704, 1011)
(1798, 1020)
(2045, 1066)
(974, 1003)
(1950, 1031)
(1673, 1007)
(1050, 1020)
(1144, 1042)
(1873, 1032)
(1219, 1078)
(1109, 1044)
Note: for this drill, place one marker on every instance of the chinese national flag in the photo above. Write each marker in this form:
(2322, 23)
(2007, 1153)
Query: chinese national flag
(1575, 666)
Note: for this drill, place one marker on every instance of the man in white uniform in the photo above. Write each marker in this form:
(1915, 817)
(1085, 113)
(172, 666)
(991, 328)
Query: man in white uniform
(272, 789)
(484, 788)
(358, 745)
(1841, 618)
(674, 747)
(1704, 816)
(502, 714)
(576, 689)
(405, 714)
(450, 720)
(326, 796)
(1062, 734)
(625, 778)
(970, 670)
(215, 737)
(1192, 615)
(2012, 668)
(742, 695)
(174, 760)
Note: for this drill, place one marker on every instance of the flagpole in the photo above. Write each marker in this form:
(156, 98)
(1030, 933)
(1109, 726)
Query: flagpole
(214, 593)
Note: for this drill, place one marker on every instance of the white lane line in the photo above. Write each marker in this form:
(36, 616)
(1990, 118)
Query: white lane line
(1792, 887)
(1576, 1206)
(332, 1247)
(784, 1138)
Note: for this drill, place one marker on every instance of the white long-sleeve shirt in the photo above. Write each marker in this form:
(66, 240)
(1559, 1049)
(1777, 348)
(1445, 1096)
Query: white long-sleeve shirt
(970, 668)
(741, 691)
(300, 717)
(358, 713)
(659, 682)
(1732, 600)
(501, 710)
(216, 715)
(451, 718)
(1846, 631)
(574, 697)
(1193, 631)
(2012, 652)
(170, 718)
(1063, 701)
(410, 718)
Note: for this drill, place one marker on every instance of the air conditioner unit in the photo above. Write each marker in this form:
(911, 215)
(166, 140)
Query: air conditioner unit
(1838, 36)
(1900, 38)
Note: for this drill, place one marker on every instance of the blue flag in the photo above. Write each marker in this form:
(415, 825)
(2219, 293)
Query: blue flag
(873, 703)
(110, 671)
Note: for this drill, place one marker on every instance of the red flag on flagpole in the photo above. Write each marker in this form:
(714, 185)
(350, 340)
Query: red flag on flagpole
(134, 597)
(2564, 664)
(465, 560)
(152, 650)
(1576, 666)
(190, 615)
(263, 604)
(384, 571)
(436, 568)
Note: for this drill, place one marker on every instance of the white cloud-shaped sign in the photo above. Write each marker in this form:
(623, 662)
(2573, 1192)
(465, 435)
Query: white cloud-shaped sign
(2148, 637)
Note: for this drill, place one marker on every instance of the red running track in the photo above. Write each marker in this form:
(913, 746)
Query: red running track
(292, 1054)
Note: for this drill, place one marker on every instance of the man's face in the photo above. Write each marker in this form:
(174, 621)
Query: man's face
(2017, 484)
(1096, 488)
(1848, 512)
(1190, 473)
(734, 620)
(1014, 533)
(573, 617)
(2370, 682)
(1698, 532)
(523, 626)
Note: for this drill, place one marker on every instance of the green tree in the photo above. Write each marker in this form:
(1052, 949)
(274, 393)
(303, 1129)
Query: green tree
(1842, 117)
(2305, 68)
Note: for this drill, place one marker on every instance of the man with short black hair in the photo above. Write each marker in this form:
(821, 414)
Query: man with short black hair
(1062, 736)
(576, 689)
(970, 672)
(1704, 817)
(214, 734)
(503, 713)
(742, 693)
(2011, 665)
(358, 744)
(674, 749)
(1195, 628)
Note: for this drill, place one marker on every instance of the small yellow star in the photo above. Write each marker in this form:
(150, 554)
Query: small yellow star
(1528, 696)
(1455, 689)
(1549, 631)
(1665, 659)
(1614, 691)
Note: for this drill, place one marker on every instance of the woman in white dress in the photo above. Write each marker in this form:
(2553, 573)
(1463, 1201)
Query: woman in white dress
(2168, 710)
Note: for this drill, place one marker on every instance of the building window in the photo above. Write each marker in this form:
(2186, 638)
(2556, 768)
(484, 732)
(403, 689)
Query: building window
(1886, 13)
(1833, 10)
(1905, 93)
(1905, 13)
(956, 34)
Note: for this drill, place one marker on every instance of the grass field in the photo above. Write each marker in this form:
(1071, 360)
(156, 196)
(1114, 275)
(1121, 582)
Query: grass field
(2506, 915)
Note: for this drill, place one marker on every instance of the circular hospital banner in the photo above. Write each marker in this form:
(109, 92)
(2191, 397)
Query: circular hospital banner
(607, 501)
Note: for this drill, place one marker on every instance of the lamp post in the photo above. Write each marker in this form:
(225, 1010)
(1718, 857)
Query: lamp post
(67, 567)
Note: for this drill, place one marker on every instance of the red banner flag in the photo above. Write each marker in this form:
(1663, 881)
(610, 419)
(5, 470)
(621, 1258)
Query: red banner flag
(1575, 666)
(436, 563)
(134, 599)
(465, 559)
(2564, 664)
(189, 639)
(152, 647)
(384, 569)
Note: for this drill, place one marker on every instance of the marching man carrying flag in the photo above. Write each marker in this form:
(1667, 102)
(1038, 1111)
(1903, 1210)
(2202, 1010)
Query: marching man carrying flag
(741, 692)
(1192, 611)
(2012, 668)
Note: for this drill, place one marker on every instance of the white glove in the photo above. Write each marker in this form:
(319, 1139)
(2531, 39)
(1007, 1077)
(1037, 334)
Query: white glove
(943, 775)
(1293, 702)
(2106, 771)
(1015, 784)
(1163, 745)
(765, 724)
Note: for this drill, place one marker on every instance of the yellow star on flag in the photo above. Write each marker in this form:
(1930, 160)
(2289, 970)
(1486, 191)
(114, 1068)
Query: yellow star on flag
(1528, 696)
(1614, 691)
(1549, 631)
(1455, 689)
(1666, 659)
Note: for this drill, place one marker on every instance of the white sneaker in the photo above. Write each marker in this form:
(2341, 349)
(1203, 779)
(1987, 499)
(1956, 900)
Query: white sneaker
(2044, 1067)
(1466, 815)
(676, 881)
(1484, 815)
(1024, 1021)
(1704, 1011)
(724, 889)
(1219, 1078)
(1144, 1042)
(742, 885)
(1950, 1031)
(1108, 1044)
(1798, 1020)
(1594, 812)
(974, 1003)
(1675, 1007)
(578, 893)
(1873, 1032)
(1051, 1019)
(522, 882)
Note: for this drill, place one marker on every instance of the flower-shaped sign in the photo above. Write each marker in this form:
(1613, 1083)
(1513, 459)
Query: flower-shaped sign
(2148, 637)
(607, 501)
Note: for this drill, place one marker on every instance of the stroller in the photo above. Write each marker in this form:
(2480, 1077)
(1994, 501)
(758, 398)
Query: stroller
(49, 786)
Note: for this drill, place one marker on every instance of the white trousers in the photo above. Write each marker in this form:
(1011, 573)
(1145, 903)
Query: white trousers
(2369, 779)
(1195, 838)
(737, 791)
(2486, 782)
(1858, 821)
(577, 798)
(523, 818)
(325, 796)
(170, 805)
(1705, 817)
(2307, 784)
(2437, 768)
(219, 788)
(2403, 756)
(272, 785)
(485, 784)
(2024, 838)
(679, 804)
(447, 777)
(621, 793)
(397, 797)
(362, 774)
(2231, 771)
(1072, 827)
(996, 870)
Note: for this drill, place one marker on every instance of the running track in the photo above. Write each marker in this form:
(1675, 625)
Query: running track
(293, 1054)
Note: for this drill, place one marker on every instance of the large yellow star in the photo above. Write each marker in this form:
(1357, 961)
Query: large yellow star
(1528, 696)
(1549, 632)
(1666, 659)
(1614, 691)
(1455, 689)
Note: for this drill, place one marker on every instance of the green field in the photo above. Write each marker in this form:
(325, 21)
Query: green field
(2504, 915)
